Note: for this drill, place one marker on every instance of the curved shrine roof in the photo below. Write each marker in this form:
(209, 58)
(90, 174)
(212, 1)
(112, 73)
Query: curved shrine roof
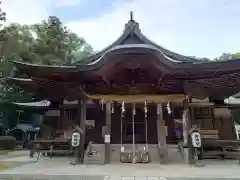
(133, 36)
(185, 74)
(132, 41)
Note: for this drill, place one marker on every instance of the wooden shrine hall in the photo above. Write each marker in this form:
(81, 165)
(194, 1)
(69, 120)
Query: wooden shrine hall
(136, 94)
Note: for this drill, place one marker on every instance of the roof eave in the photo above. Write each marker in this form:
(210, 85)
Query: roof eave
(47, 68)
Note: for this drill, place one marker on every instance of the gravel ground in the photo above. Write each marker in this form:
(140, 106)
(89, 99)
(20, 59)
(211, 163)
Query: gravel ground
(60, 168)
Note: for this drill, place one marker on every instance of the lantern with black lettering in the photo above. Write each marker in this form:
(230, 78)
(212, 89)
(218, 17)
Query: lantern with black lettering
(196, 139)
(76, 139)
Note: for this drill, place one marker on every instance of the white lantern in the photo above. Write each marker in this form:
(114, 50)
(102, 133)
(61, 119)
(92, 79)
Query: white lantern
(196, 139)
(75, 139)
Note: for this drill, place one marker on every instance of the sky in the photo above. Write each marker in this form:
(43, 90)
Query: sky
(204, 28)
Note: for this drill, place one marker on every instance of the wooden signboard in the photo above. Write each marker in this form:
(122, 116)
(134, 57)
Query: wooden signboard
(90, 123)
(107, 138)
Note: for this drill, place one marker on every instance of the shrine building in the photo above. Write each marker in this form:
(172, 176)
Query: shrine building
(136, 97)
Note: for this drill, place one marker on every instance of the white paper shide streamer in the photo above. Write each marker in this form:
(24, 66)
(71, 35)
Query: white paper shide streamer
(169, 108)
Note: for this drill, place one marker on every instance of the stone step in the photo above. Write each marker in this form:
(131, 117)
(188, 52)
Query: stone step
(174, 154)
(154, 153)
(97, 154)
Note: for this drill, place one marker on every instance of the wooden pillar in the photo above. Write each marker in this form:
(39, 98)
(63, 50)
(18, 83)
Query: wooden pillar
(161, 132)
(83, 128)
(61, 119)
(108, 132)
(189, 115)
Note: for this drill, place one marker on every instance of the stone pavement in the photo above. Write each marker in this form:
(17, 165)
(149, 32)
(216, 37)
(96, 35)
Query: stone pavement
(59, 168)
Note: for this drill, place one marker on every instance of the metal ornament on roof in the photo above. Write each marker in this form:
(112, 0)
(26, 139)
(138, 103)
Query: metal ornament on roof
(169, 108)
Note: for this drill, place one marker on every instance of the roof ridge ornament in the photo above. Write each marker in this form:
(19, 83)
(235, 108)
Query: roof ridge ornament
(132, 24)
(131, 16)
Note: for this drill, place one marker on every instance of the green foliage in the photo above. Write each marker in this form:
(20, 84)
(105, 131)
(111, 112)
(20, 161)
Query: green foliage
(7, 142)
(2, 13)
(236, 55)
(48, 42)
(223, 57)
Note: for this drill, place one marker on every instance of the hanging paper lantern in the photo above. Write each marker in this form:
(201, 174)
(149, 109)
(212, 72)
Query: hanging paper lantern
(169, 108)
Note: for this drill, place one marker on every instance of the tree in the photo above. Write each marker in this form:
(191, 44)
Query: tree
(223, 57)
(57, 45)
(2, 13)
(236, 55)
(49, 42)
(205, 59)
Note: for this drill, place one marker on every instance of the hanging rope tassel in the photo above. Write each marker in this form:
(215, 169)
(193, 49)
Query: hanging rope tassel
(102, 102)
(112, 108)
(169, 108)
(134, 160)
(122, 117)
(146, 126)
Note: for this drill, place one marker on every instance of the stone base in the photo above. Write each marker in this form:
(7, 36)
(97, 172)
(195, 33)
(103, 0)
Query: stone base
(95, 155)
(186, 155)
(163, 153)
